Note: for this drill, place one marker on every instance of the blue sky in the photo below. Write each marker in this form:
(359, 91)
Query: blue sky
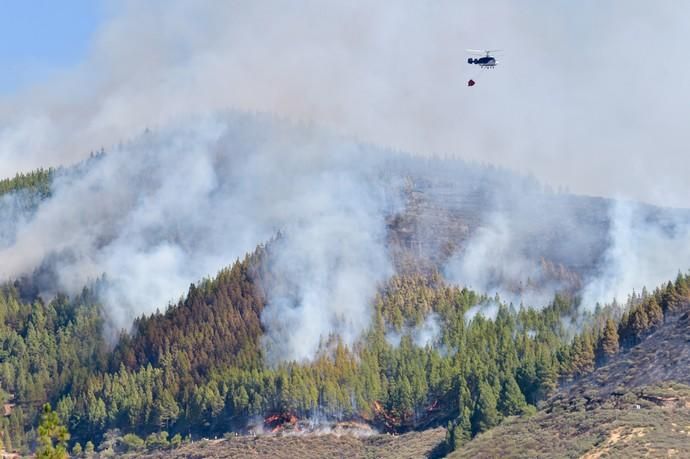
(38, 37)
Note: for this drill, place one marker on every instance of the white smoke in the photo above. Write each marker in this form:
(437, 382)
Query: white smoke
(328, 265)
(617, 246)
(183, 201)
(493, 262)
(647, 247)
(488, 310)
(428, 333)
(177, 205)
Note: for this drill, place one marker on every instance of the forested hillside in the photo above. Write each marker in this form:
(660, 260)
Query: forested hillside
(634, 405)
(19, 198)
(435, 353)
(197, 367)
(36, 183)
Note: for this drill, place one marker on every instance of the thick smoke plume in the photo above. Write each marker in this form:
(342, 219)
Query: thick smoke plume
(647, 247)
(586, 95)
(598, 250)
(427, 333)
(177, 205)
(496, 260)
(580, 99)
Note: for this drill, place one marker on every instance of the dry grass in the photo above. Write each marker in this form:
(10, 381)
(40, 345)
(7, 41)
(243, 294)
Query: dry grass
(619, 430)
(427, 444)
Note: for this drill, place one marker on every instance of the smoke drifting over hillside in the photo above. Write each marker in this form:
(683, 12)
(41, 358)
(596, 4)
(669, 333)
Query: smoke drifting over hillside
(540, 244)
(646, 248)
(177, 205)
(496, 260)
(579, 99)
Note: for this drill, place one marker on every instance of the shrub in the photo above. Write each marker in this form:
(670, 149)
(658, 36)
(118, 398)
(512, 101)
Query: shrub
(131, 442)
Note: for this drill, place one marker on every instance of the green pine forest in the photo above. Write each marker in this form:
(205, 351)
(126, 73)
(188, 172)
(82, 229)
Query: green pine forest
(197, 369)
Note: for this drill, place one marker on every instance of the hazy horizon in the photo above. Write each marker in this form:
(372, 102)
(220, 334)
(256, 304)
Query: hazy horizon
(588, 96)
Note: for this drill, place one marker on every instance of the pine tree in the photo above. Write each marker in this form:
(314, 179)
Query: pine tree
(485, 413)
(681, 287)
(464, 432)
(176, 440)
(167, 409)
(52, 436)
(582, 355)
(654, 313)
(133, 442)
(639, 322)
(451, 437)
(608, 345)
(668, 298)
(8, 442)
(512, 400)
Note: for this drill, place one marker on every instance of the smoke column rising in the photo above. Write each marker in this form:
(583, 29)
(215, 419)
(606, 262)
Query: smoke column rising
(645, 250)
(580, 98)
(176, 205)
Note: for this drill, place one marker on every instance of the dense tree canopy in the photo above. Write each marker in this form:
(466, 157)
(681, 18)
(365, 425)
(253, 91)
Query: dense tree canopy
(198, 369)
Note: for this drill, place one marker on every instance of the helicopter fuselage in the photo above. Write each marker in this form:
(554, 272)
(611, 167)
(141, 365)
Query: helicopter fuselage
(486, 61)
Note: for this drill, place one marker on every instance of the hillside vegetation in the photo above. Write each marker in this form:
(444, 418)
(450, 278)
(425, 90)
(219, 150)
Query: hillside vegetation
(435, 355)
(157, 378)
(427, 444)
(637, 405)
(636, 425)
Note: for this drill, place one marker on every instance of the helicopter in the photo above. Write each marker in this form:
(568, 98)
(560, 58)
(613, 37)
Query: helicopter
(487, 61)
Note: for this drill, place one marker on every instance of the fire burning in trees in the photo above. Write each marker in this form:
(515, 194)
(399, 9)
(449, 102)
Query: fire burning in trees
(287, 422)
(280, 421)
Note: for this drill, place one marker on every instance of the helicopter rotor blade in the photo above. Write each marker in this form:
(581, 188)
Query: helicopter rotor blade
(486, 52)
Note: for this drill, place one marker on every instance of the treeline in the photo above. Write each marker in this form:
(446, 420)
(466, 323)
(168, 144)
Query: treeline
(617, 327)
(20, 197)
(605, 332)
(36, 183)
(46, 351)
(217, 325)
(197, 369)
